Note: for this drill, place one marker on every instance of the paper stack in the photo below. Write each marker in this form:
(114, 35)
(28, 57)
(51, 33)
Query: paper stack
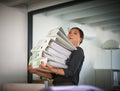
(55, 49)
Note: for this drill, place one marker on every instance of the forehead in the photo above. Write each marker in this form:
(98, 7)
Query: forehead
(75, 30)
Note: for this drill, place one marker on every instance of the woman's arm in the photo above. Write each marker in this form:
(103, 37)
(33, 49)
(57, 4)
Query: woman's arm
(43, 74)
(52, 69)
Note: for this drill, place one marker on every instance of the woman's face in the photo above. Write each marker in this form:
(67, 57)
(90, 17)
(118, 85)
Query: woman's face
(74, 36)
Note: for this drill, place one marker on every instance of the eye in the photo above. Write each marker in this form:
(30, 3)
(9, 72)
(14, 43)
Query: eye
(75, 33)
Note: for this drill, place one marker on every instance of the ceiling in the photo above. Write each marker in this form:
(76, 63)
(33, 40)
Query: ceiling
(96, 13)
(18, 2)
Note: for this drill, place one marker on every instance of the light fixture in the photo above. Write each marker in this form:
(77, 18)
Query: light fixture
(110, 44)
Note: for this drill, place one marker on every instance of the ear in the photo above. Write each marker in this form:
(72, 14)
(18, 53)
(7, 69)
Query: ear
(81, 39)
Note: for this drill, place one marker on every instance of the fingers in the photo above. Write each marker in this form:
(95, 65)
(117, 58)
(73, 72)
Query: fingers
(41, 66)
(30, 69)
(44, 66)
(49, 66)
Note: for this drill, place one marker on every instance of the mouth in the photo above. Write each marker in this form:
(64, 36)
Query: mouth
(70, 38)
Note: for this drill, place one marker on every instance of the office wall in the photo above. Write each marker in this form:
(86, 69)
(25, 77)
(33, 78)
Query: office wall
(13, 44)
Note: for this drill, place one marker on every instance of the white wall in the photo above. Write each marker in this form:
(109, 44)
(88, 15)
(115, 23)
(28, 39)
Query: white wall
(13, 44)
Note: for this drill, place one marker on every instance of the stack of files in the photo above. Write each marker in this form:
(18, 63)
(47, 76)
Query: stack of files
(60, 37)
(55, 49)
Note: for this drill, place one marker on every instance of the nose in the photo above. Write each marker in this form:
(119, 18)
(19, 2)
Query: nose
(71, 34)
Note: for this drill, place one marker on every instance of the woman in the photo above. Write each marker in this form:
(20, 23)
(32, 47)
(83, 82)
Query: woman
(69, 76)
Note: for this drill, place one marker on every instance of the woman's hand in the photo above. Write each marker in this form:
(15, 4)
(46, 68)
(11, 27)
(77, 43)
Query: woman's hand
(46, 67)
(52, 69)
(34, 71)
(31, 70)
